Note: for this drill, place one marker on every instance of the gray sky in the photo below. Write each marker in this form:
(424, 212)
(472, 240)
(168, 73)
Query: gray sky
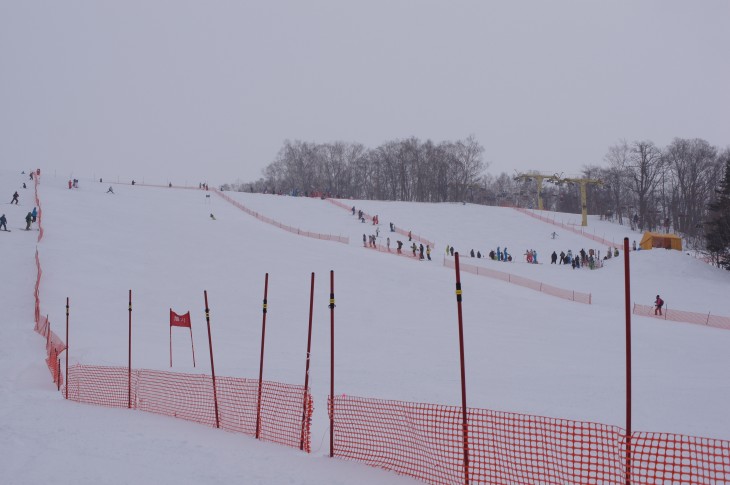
(208, 90)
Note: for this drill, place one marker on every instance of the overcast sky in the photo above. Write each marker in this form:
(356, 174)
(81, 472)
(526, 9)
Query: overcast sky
(209, 90)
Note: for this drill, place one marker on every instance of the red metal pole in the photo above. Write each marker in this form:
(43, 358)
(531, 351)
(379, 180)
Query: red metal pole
(170, 337)
(192, 345)
(129, 361)
(306, 372)
(627, 285)
(212, 367)
(66, 348)
(464, 422)
(332, 364)
(261, 364)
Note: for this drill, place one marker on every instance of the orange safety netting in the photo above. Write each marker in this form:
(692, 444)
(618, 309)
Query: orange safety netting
(569, 227)
(571, 295)
(706, 319)
(54, 344)
(426, 441)
(291, 229)
(398, 230)
(285, 409)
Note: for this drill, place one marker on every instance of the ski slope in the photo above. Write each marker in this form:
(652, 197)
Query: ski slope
(396, 334)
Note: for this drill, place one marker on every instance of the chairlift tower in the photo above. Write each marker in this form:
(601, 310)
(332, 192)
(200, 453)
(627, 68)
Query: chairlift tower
(583, 182)
(539, 177)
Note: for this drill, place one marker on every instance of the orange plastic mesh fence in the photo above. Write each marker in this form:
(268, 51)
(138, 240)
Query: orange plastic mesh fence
(572, 295)
(426, 441)
(293, 230)
(54, 344)
(706, 319)
(414, 237)
(100, 385)
(568, 227)
(190, 397)
(669, 458)
(282, 410)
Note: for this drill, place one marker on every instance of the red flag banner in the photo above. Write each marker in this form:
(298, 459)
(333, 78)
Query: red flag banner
(180, 320)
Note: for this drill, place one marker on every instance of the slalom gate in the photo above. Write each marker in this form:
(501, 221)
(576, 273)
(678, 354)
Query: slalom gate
(571, 295)
(567, 227)
(426, 442)
(291, 229)
(705, 319)
(434, 443)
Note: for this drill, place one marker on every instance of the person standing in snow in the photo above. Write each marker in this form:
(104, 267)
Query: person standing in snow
(400, 246)
(554, 258)
(387, 243)
(659, 303)
(28, 219)
(34, 214)
(363, 241)
(428, 252)
(3, 223)
(420, 251)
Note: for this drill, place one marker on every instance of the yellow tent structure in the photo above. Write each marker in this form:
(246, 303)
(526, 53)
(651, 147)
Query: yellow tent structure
(656, 240)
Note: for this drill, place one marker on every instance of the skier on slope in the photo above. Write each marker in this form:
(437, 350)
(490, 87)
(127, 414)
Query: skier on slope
(15, 198)
(658, 304)
(34, 214)
(3, 223)
(28, 220)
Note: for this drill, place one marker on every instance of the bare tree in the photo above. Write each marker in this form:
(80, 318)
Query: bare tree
(644, 170)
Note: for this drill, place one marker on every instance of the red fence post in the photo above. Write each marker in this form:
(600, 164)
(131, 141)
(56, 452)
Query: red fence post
(306, 371)
(261, 364)
(129, 361)
(464, 422)
(627, 285)
(66, 348)
(212, 367)
(332, 363)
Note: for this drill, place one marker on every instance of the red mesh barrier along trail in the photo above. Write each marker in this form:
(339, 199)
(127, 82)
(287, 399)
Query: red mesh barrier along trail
(567, 227)
(190, 397)
(100, 385)
(705, 319)
(676, 459)
(368, 217)
(425, 441)
(282, 410)
(184, 396)
(293, 230)
(571, 295)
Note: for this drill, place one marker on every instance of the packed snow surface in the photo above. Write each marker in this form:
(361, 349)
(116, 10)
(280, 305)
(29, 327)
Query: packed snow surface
(396, 326)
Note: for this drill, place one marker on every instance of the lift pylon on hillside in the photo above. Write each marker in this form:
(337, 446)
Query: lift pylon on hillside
(583, 182)
(539, 177)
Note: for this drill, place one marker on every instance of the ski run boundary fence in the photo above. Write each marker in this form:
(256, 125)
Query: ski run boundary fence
(522, 281)
(429, 442)
(426, 442)
(398, 230)
(705, 319)
(567, 227)
(291, 229)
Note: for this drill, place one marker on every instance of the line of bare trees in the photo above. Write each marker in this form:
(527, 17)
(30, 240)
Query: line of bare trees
(409, 170)
(649, 187)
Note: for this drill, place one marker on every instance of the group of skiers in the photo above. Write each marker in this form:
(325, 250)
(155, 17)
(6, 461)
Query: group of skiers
(498, 255)
(582, 259)
(30, 218)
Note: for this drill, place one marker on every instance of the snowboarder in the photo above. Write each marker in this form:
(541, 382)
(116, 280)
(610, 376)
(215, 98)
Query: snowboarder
(659, 303)
(34, 214)
(15, 198)
(28, 219)
(3, 223)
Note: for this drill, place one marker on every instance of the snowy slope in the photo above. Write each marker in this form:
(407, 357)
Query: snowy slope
(396, 324)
